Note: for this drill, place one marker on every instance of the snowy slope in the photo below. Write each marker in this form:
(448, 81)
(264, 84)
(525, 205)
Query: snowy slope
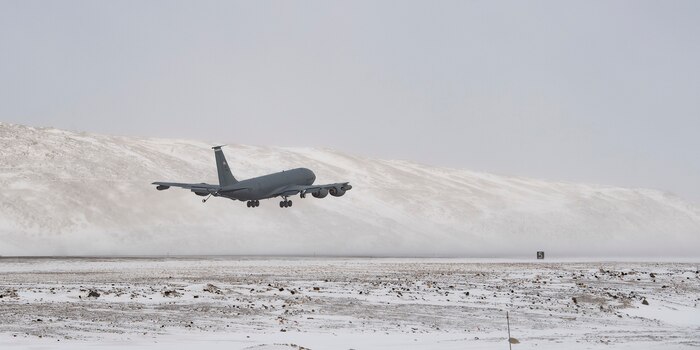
(78, 193)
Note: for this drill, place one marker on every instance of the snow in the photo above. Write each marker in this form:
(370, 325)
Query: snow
(669, 313)
(345, 303)
(88, 194)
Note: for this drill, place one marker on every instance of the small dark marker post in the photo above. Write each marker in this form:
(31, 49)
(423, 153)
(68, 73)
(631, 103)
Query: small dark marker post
(510, 347)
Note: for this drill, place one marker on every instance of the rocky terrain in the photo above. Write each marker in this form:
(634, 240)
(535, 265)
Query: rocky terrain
(322, 303)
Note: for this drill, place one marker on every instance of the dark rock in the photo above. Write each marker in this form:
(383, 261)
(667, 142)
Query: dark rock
(210, 288)
(171, 293)
(9, 293)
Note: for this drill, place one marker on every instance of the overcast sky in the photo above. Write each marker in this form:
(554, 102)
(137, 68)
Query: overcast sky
(593, 91)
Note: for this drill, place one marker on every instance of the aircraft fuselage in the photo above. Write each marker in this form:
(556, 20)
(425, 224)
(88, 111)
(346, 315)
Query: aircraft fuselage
(266, 186)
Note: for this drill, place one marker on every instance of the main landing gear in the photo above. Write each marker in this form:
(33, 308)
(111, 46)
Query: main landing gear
(285, 203)
(253, 204)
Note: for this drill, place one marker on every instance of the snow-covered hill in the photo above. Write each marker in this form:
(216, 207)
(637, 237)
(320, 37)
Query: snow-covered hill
(78, 193)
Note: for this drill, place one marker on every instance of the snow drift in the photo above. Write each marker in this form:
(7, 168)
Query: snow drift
(81, 194)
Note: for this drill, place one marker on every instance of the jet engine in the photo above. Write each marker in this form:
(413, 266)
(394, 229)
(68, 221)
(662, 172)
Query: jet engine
(336, 192)
(320, 193)
(201, 193)
(162, 187)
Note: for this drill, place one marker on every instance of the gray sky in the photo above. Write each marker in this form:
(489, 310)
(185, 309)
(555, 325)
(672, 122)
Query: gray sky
(593, 91)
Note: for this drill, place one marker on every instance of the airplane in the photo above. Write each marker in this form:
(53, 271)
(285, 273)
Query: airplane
(283, 184)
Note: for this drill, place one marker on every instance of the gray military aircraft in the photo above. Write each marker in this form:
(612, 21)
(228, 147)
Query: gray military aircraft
(283, 184)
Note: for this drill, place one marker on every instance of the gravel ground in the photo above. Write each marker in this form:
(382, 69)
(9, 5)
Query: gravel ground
(436, 303)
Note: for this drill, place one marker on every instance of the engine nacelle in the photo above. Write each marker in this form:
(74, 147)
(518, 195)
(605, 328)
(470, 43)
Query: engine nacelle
(320, 193)
(336, 192)
(347, 187)
(162, 187)
(201, 193)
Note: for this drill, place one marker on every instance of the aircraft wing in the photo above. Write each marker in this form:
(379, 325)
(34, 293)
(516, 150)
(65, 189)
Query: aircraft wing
(303, 189)
(197, 188)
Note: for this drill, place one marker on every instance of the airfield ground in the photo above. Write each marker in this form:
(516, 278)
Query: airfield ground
(346, 303)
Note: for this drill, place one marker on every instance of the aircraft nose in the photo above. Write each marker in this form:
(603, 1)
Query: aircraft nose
(310, 174)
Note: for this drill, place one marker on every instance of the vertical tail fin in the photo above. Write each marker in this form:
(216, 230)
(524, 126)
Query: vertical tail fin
(225, 176)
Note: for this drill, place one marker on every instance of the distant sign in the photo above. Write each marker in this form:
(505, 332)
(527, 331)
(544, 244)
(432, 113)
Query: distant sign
(540, 255)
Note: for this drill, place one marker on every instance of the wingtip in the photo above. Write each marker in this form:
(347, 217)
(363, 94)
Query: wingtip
(217, 147)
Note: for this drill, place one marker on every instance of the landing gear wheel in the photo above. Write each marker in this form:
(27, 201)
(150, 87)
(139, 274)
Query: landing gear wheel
(282, 204)
(289, 203)
(248, 204)
(257, 203)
